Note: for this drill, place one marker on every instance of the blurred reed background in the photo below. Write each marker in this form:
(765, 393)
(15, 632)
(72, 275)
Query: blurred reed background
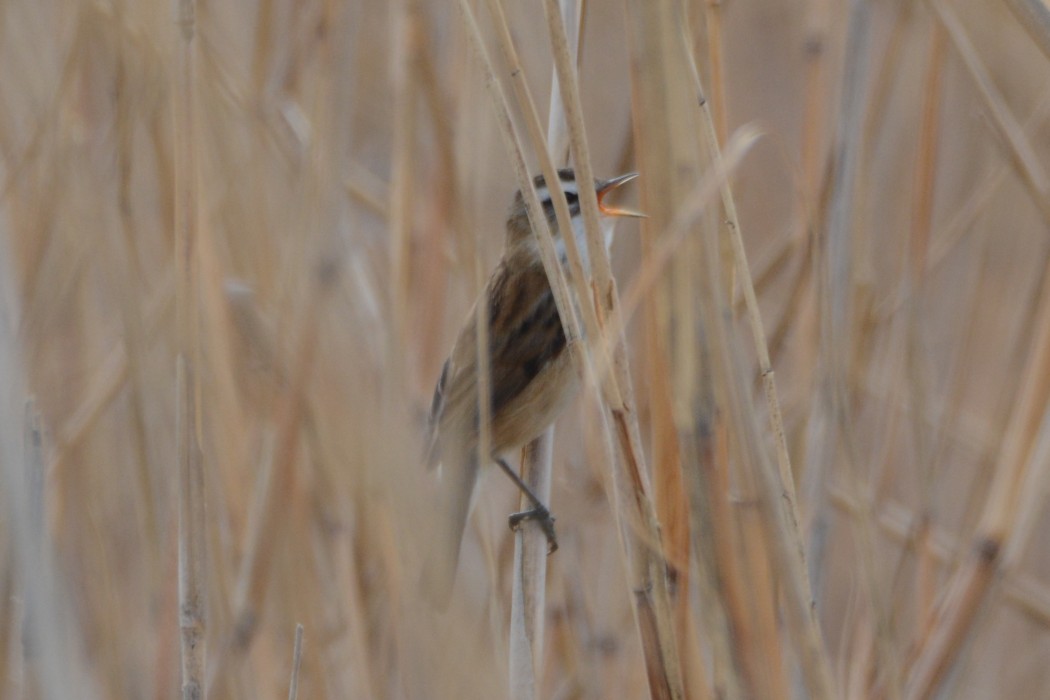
(238, 242)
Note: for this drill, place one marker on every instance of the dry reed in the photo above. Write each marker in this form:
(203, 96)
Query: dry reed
(812, 453)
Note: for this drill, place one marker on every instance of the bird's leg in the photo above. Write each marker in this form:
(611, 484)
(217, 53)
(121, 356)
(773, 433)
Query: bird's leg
(539, 512)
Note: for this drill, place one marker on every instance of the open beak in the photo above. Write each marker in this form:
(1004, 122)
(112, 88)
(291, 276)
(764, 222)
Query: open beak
(607, 186)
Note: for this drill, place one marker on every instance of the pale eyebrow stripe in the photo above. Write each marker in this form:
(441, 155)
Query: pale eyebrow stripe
(570, 188)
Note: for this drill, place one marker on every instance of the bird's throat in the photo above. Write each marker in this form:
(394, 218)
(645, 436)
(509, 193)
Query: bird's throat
(580, 236)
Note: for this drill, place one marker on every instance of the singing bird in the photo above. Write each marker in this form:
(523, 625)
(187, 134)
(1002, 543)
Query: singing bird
(531, 377)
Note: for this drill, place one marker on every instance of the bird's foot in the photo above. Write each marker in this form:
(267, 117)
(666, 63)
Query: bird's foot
(542, 516)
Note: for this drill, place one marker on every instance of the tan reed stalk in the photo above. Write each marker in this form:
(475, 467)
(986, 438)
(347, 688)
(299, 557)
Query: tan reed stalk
(402, 187)
(524, 647)
(42, 652)
(559, 285)
(545, 154)
(836, 257)
(915, 279)
(830, 412)
(528, 608)
(528, 596)
(561, 208)
(813, 140)
(192, 522)
(810, 643)
(716, 64)
(665, 133)
(744, 662)
(665, 353)
(801, 316)
(192, 618)
(648, 564)
(786, 491)
(263, 47)
(297, 660)
(126, 249)
(784, 533)
(701, 497)
(528, 586)
(557, 126)
(447, 209)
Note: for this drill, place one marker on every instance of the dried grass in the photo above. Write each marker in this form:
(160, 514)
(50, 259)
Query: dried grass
(811, 457)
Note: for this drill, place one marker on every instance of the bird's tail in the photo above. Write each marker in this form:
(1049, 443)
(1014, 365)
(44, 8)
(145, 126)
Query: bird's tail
(452, 498)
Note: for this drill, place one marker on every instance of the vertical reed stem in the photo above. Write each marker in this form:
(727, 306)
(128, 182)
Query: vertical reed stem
(192, 590)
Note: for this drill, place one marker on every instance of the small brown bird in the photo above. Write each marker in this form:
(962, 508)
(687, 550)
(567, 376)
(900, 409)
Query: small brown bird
(531, 375)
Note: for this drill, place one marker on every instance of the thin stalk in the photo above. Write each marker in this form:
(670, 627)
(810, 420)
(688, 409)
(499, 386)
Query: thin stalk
(528, 600)
(918, 253)
(808, 635)
(561, 207)
(528, 587)
(402, 187)
(297, 660)
(649, 565)
(192, 523)
(548, 254)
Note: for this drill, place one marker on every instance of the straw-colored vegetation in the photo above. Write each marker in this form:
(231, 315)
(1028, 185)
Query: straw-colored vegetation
(811, 457)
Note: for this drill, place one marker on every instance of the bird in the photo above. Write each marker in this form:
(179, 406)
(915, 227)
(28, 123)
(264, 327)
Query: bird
(531, 377)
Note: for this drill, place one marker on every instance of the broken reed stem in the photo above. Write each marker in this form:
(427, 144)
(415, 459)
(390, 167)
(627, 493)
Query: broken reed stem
(297, 660)
(192, 584)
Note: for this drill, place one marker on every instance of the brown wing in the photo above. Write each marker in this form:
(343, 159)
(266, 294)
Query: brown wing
(525, 336)
(532, 334)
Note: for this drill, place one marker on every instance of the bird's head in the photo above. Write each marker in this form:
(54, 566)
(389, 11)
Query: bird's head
(519, 231)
